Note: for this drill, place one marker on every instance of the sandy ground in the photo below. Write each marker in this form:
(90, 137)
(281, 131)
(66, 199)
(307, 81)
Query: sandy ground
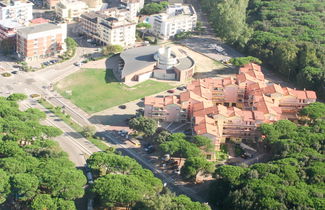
(203, 63)
(100, 64)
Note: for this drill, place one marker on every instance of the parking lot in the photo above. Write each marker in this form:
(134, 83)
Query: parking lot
(211, 47)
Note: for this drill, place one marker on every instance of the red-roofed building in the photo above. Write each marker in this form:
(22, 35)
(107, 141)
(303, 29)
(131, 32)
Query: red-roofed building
(39, 21)
(232, 107)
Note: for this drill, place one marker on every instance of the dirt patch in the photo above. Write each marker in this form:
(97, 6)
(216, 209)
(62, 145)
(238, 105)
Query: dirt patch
(100, 64)
(203, 63)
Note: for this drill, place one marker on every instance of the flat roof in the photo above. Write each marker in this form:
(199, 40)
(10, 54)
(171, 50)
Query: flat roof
(38, 28)
(137, 58)
(185, 63)
(10, 24)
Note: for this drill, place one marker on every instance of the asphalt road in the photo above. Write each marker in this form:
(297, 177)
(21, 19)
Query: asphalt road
(77, 147)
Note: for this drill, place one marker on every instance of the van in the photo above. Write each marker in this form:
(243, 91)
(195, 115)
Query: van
(89, 177)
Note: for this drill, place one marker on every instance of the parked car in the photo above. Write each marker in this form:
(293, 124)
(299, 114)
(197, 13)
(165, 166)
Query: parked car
(123, 133)
(246, 155)
(122, 106)
(77, 64)
(177, 171)
(14, 72)
(149, 148)
(188, 132)
(180, 88)
(46, 63)
(170, 91)
(54, 61)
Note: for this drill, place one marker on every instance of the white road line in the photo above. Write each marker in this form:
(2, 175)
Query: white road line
(72, 140)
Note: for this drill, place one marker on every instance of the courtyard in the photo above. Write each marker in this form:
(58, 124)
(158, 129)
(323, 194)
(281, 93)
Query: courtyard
(94, 90)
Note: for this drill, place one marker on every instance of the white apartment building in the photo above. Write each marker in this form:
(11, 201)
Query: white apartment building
(134, 6)
(70, 9)
(110, 27)
(19, 11)
(177, 18)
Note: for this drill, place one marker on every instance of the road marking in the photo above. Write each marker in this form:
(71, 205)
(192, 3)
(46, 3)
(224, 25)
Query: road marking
(74, 141)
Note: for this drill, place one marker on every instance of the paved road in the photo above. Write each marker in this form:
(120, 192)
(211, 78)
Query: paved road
(77, 147)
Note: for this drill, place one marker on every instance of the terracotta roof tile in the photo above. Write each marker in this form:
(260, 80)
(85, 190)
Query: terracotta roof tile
(311, 94)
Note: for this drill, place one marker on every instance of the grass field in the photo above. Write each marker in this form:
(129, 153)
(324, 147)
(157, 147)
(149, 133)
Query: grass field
(94, 90)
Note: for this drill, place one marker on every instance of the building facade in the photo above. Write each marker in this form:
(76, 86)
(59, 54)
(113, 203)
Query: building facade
(134, 6)
(40, 41)
(70, 9)
(8, 29)
(232, 107)
(142, 63)
(19, 11)
(109, 27)
(51, 4)
(177, 18)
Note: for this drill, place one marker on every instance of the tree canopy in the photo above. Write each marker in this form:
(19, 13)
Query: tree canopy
(241, 61)
(154, 8)
(112, 49)
(145, 125)
(194, 165)
(34, 170)
(293, 179)
(314, 110)
(121, 181)
(287, 35)
(177, 145)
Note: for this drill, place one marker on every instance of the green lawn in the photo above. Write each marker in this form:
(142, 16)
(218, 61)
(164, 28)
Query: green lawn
(93, 93)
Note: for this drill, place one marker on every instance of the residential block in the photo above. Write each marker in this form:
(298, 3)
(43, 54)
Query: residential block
(232, 107)
(41, 41)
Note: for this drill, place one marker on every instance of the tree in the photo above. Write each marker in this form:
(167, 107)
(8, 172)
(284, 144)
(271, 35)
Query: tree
(241, 61)
(286, 58)
(314, 111)
(194, 165)
(112, 50)
(183, 202)
(229, 19)
(35, 114)
(142, 124)
(110, 163)
(9, 149)
(65, 204)
(52, 175)
(88, 131)
(50, 131)
(41, 176)
(144, 27)
(24, 186)
(170, 201)
(178, 146)
(4, 186)
(160, 136)
(71, 48)
(203, 142)
(16, 97)
(230, 173)
(153, 8)
(43, 202)
(120, 190)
